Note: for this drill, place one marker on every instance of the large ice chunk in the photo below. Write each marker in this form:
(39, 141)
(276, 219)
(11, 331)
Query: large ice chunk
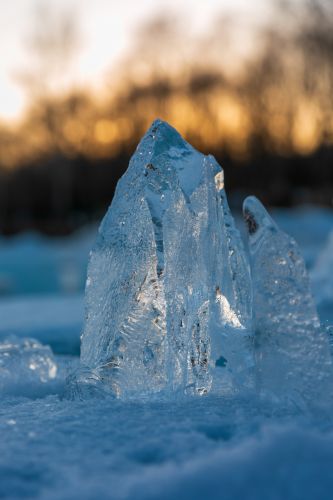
(292, 351)
(168, 287)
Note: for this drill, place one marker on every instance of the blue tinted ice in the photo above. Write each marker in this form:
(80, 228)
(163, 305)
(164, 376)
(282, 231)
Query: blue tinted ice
(292, 350)
(168, 292)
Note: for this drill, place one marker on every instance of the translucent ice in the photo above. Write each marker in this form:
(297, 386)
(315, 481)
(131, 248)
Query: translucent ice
(168, 289)
(292, 351)
(25, 366)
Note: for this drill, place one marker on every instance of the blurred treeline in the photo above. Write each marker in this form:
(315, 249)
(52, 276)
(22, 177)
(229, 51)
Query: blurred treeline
(268, 119)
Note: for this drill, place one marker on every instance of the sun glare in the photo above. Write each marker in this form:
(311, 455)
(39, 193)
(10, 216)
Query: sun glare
(12, 102)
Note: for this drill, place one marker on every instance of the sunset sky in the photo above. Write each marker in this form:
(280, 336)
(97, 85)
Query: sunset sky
(106, 30)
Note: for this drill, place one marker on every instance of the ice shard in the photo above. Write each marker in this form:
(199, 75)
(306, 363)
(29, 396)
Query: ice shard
(168, 287)
(292, 351)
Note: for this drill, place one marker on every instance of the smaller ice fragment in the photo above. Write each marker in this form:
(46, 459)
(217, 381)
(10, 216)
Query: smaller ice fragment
(292, 350)
(26, 366)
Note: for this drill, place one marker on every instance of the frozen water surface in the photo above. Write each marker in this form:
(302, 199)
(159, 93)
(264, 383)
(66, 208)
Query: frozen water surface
(251, 442)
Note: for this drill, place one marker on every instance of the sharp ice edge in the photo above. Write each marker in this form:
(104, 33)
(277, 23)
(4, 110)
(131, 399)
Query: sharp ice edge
(169, 290)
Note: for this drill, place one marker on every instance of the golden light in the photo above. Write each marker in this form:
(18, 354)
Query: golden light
(74, 131)
(106, 131)
(230, 116)
(306, 131)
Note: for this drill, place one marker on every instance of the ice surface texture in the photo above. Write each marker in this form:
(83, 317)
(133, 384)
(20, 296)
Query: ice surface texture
(168, 291)
(292, 350)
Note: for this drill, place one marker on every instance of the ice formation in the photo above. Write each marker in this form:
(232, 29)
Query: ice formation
(168, 292)
(25, 365)
(292, 351)
(169, 303)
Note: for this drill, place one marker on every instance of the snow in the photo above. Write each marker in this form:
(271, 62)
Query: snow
(31, 263)
(211, 447)
(55, 320)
